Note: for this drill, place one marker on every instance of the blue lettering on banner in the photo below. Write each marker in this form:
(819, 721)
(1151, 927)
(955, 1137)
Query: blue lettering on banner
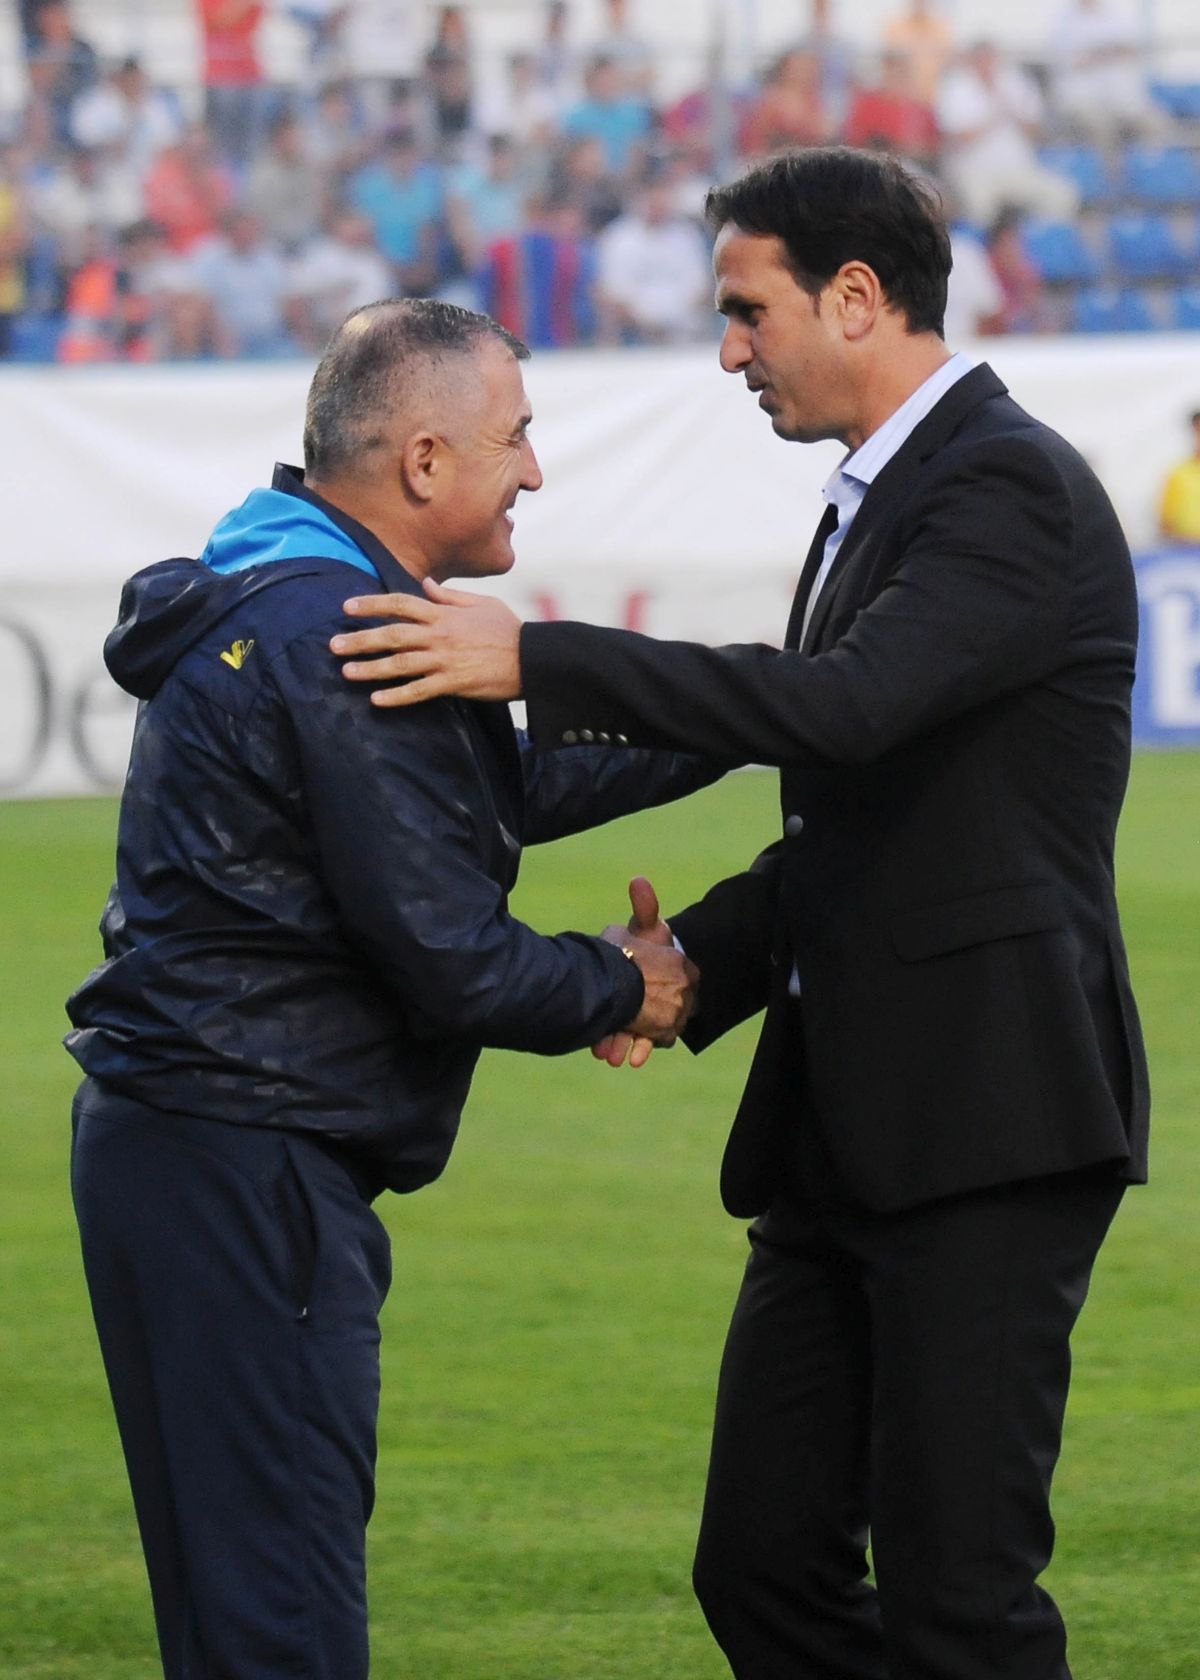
(1166, 695)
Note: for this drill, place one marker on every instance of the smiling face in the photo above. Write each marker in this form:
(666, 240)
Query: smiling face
(787, 344)
(488, 460)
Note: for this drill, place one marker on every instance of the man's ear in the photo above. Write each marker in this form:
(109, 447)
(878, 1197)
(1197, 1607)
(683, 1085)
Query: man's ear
(421, 461)
(859, 298)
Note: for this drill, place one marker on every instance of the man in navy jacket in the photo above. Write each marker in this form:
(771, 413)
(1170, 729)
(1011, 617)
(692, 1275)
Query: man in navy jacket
(307, 946)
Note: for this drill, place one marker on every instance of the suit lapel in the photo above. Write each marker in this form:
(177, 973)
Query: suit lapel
(857, 543)
(808, 574)
(857, 552)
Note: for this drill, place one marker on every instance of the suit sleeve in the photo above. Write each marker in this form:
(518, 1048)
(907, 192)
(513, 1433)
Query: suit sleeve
(977, 607)
(402, 834)
(730, 936)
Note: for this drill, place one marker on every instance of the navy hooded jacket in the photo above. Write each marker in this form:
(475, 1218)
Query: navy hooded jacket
(309, 927)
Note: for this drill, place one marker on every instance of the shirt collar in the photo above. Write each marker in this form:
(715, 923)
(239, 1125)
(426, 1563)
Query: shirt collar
(863, 465)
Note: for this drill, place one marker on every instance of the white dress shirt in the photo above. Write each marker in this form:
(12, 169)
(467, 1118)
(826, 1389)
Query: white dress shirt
(848, 484)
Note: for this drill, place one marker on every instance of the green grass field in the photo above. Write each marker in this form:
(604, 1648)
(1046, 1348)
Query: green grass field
(559, 1303)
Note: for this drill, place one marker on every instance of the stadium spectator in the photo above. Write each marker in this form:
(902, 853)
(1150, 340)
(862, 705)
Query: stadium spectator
(484, 205)
(789, 110)
(926, 39)
(542, 281)
(687, 172)
(108, 315)
(581, 178)
(189, 321)
(87, 193)
(522, 109)
(451, 95)
(974, 298)
(706, 121)
(245, 278)
(890, 116)
(556, 59)
(235, 89)
(379, 50)
(322, 22)
(653, 277)
(187, 190)
(450, 32)
(620, 121)
(283, 189)
(342, 269)
(14, 247)
(835, 62)
(632, 54)
(1100, 86)
(337, 134)
(62, 65)
(27, 14)
(401, 196)
(308, 945)
(991, 117)
(1179, 505)
(125, 109)
(1026, 306)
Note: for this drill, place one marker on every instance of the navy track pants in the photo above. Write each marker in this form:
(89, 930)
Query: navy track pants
(236, 1277)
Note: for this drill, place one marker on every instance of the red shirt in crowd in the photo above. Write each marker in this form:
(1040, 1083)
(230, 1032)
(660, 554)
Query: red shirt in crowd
(230, 41)
(901, 120)
(186, 196)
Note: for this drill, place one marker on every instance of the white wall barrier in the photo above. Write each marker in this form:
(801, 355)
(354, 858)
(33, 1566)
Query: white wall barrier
(668, 506)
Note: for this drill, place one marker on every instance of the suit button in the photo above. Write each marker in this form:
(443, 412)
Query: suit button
(586, 735)
(793, 826)
(604, 738)
(622, 740)
(569, 737)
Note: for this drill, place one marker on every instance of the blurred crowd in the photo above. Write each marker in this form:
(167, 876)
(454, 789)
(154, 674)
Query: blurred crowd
(559, 191)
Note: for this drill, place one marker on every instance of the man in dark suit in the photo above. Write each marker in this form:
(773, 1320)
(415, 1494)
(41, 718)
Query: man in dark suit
(949, 1093)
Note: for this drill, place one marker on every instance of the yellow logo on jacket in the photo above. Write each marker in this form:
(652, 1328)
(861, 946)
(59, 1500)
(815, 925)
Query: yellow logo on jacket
(238, 654)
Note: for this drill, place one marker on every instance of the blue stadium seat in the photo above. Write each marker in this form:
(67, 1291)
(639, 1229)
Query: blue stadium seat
(1161, 175)
(1146, 247)
(1181, 99)
(35, 338)
(1059, 252)
(1105, 310)
(1085, 166)
(1183, 309)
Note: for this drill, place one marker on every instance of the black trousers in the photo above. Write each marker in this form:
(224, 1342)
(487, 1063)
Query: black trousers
(236, 1277)
(898, 1378)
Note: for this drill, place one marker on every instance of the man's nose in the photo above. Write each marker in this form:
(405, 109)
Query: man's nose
(735, 347)
(531, 473)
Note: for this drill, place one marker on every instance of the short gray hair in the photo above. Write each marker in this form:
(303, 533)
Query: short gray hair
(361, 376)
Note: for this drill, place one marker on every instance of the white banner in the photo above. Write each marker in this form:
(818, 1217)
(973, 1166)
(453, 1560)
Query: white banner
(669, 505)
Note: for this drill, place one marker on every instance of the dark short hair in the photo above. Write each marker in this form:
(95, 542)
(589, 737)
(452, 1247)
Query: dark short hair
(831, 205)
(360, 377)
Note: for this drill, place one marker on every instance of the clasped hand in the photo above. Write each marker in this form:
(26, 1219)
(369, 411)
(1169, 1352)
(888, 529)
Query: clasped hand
(670, 982)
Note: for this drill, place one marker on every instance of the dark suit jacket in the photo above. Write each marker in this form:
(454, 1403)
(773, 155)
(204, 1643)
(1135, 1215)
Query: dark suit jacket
(954, 745)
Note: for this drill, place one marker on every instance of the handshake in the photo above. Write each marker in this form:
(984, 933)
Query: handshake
(670, 982)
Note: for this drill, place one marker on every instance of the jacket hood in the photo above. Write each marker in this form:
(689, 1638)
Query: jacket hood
(164, 610)
(167, 608)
